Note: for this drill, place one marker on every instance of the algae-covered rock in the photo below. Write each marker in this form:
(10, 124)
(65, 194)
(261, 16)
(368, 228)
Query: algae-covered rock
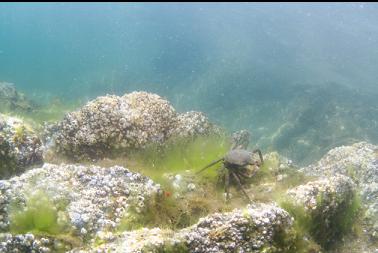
(85, 200)
(12, 100)
(153, 240)
(34, 243)
(191, 124)
(112, 123)
(360, 162)
(20, 147)
(257, 228)
(326, 208)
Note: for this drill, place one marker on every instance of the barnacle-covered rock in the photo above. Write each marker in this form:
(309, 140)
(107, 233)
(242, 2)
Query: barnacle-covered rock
(329, 205)
(91, 199)
(191, 124)
(360, 162)
(254, 229)
(112, 123)
(32, 243)
(12, 100)
(109, 123)
(153, 240)
(20, 147)
(257, 228)
(325, 193)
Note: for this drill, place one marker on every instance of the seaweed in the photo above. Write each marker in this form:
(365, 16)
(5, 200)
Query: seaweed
(179, 155)
(327, 233)
(39, 215)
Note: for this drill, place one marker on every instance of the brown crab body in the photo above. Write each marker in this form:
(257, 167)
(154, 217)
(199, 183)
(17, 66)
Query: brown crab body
(238, 158)
(238, 164)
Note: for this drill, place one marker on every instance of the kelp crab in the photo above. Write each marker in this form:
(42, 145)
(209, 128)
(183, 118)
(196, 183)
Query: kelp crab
(237, 163)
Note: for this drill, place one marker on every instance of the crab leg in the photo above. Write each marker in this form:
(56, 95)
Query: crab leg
(240, 185)
(227, 184)
(260, 155)
(211, 164)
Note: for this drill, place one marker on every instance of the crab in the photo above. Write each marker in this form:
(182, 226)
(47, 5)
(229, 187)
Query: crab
(237, 163)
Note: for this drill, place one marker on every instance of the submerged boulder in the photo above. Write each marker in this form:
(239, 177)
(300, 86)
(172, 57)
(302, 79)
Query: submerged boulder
(20, 147)
(12, 100)
(80, 200)
(113, 123)
(191, 124)
(254, 229)
(33, 243)
(257, 228)
(360, 162)
(327, 207)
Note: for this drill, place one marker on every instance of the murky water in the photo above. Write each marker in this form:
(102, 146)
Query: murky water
(301, 77)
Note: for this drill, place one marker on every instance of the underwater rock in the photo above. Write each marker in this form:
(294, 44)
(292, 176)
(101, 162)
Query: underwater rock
(34, 243)
(360, 162)
(191, 124)
(20, 147)
(254, 229)
(143, 240)
(257, 228)
(12, 100)
(109, 123)
(330, 207)
(240, 139)
(113, 123)
(31, 243)
(86, 199)
(325, 194)
(327, 208)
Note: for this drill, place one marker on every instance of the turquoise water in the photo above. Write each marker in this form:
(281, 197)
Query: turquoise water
(301, 77)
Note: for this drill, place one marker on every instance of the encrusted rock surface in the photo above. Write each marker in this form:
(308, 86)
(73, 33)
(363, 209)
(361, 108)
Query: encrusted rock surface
(20, 147)
(253, 229)
(96, 198)
(360, 162)
(132, 121)
(324, 195)
(112, 122)
(192, 124)
(30, 243)
(12, 100)
(144, 240)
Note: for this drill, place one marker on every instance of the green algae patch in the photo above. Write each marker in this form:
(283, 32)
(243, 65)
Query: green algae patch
(181, 154)
(39, 215)
(167, 212)
(160, 211)
(303, 224)
(328, 231)
(8, 165)
(271, 181)
(267, 170)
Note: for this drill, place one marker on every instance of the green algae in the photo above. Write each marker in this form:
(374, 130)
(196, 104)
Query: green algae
(181, 154)
(167, 212)
(19, 134)
(267, 170)
(8, 163)
(329, 232)
(185, 156)
(39, 215)
(326, 233)
(311, 231)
